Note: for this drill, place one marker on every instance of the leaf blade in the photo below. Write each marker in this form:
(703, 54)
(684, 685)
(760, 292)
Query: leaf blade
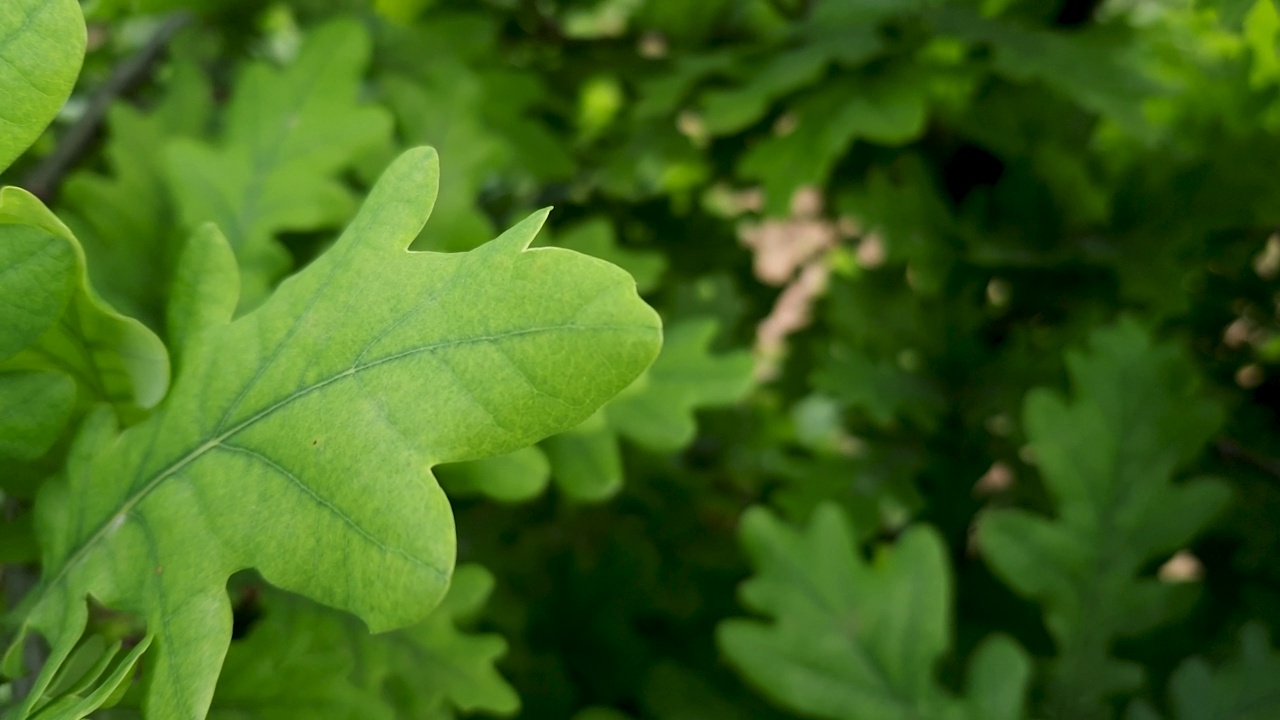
(259, 458)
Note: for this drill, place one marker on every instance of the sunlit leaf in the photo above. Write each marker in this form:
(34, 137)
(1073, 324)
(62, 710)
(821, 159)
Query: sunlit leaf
(262, 457)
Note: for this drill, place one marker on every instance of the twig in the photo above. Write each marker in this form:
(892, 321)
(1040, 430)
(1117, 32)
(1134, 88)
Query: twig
(1231, 450)
(45, 178)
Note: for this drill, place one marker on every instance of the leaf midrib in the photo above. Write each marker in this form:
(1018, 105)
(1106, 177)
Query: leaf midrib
(140, 495)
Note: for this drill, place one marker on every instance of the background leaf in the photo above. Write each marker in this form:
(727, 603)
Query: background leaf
(1107, 458)
(851, 639)
(288, 134)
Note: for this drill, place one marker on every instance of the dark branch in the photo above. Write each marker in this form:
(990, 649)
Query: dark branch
(1232, 450)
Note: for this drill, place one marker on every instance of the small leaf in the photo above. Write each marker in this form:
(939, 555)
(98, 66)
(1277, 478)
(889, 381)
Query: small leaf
(888, 109)
(726, 112)
(513, 477)
(443, 667)
(1095, 68)
(586, 460)
(112, 358)
(206, 287)
(999, 673)
(41, 47)
(295, 665)
(304, 661)
(882, 390)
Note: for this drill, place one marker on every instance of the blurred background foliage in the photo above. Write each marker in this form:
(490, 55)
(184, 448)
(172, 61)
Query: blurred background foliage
(958, 295)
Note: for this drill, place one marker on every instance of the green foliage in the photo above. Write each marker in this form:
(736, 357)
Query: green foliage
(1242, 687)
(302, 659)
(966, 405)
(287, 134)
(1106, 459)
(126, 219)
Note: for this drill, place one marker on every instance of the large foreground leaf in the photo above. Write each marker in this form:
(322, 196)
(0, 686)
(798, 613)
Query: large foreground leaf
(41, 48)
(296, 439)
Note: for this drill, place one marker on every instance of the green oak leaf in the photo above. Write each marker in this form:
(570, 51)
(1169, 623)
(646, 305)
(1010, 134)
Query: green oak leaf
(112, 358)
(661, 96)
(883, 390)
(289, 134)
(297, 439)
(1245, 687)
(436, 670)
(41, 47)
(1107, 457)
(587, 460)
(125, 217)
(853, 640)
